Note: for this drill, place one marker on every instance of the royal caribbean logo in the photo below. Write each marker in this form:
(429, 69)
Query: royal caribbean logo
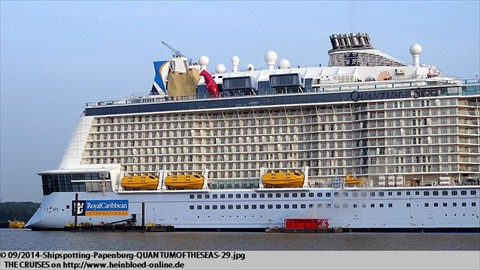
(100, 208)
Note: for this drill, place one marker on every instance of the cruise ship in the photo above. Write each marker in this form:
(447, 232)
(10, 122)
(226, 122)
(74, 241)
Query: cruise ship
(367, 142)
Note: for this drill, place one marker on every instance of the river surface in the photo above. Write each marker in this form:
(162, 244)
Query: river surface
(25, 239)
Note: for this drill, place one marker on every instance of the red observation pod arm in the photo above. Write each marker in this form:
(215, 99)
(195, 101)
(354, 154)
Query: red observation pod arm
(211, 85)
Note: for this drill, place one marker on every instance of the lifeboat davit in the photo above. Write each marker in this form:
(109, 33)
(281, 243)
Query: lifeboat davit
(139, 182)
(184, 181)
(283, 179)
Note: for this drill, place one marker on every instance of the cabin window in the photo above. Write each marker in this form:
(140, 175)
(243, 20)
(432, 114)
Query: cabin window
(335, 194)
(454, 204)
(473, 192)
(199, 207)
(408, 193)
(381, 194)
(390, 205)
(214, 207)
(294, 206)
(302, 195)
(354, 194)
(363, 194)
(199, 196)
(390, 193)
(426, 204)
(238, 206)
(435, 204)
(328, 194)
(294, 195)
(262, 195)
(444, 193)
(454, 192)
(372, 194)
(399, 193)
(474, 204)
(426, 193)
(214, 196)
(192, 207)
(245, 196)
(254, 196)
(364, 205)
(464, 204)
(303, 206)
(270, 195)
(222, 196)
(262, 206)
(207, 207)
(278, 206)
(238, 196)
(463, 192)
(372, 205)
(435, 193)
(311, 194)
(254, 206)
(222, 206)
(320, 205)
(286, 195)
(278, 195)
(417, 193)
(230, 196)
(319, 194)
(270, 206)
(230, 206)
(354, 205)
(408, 205)
(192, 196)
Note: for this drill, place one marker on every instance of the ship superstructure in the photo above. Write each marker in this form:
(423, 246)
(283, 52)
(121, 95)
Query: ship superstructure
(396, 130)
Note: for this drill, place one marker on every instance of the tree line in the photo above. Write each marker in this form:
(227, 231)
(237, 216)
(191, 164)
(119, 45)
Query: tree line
(21, 211)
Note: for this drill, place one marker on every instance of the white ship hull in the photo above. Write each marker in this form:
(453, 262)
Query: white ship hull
(382, 212)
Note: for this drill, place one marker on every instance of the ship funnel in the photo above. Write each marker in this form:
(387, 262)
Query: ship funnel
(415, 51)
(235, 62)
(270, 59)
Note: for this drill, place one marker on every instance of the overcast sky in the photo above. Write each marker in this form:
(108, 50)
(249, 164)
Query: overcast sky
(56, 56)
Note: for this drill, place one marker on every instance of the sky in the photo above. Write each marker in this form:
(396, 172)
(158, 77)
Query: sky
(58, 55)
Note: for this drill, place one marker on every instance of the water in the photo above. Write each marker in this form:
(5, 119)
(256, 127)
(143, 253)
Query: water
(25, 239)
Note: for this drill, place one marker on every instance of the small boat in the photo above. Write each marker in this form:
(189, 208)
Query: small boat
(283, 179)
(139, 182)
(184, 181)
(352, 180)
(15, 224)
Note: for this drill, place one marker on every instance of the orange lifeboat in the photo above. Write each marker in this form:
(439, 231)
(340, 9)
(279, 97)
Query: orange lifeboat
(283, 179)
(352, 180)
(184, 181)
(139, 182)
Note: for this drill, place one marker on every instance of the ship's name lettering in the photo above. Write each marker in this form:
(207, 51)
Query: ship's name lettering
(393, 94)
(104, 205)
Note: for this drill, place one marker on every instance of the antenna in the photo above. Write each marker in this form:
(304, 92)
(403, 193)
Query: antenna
(175, 51)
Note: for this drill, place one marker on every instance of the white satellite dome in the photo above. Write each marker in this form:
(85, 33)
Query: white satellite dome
(203, 60)
(270, 59)
(284, 64)
(250, 67)
(235, 62)
(220, 68)
(416, 49)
